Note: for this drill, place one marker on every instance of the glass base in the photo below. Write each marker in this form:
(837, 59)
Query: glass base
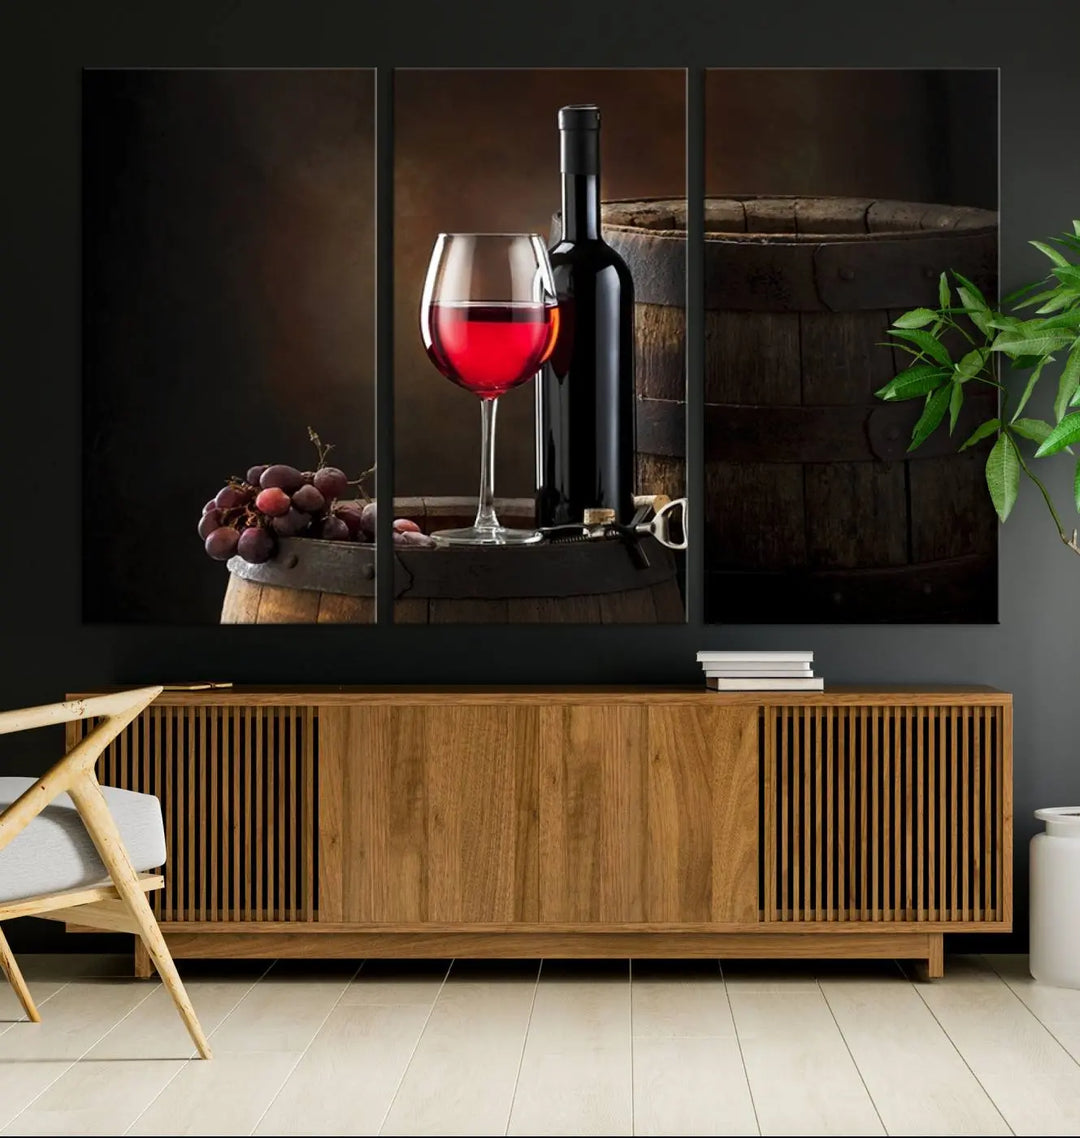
(496, 535)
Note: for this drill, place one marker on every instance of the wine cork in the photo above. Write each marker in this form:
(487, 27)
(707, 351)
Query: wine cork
(597, 516)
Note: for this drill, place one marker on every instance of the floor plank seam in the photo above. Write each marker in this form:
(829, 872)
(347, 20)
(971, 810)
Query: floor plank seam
(847, 1048)
(314, 1035)
(152, 988)
(630, 1009)
(1038, 1019)
(412, 1054)
(524, 1042)
(183, 1066)
(963, 1057)
(738, 1043)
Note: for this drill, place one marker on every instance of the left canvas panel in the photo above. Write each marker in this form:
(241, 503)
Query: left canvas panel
(228, 327)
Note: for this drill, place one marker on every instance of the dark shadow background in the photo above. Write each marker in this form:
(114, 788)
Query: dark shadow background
(914, 135)
(228, 221)
(479, 151)
(47, 649)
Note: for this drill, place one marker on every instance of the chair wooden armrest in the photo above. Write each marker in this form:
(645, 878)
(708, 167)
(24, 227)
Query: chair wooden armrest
(117, 710)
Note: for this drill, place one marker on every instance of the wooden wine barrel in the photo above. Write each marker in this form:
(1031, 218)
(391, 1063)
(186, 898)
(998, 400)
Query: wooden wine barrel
(327, 582)
(814, 510)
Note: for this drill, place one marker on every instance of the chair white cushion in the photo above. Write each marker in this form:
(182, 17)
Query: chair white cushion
(55, 852)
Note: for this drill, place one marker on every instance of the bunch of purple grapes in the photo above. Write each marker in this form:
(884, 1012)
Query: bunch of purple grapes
(249, 514)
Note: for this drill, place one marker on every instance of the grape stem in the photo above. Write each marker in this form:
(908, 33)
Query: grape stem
(361, 482)
(321, 449)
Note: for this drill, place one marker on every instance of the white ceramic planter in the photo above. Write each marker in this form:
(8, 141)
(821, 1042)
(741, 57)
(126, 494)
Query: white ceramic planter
(1055, 898)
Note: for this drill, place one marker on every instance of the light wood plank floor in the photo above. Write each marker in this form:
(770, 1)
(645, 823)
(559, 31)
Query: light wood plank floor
(516, 1047)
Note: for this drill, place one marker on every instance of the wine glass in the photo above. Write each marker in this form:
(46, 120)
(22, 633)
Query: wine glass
(489, 319)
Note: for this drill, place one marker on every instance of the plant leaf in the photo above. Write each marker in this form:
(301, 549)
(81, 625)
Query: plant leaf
(977, 298)
(1068, 384)
(1063, 435)
(916, 380)
(1063, 298)
(943, 291)
(1031, 346)
(1036, 430)
(1055, 256)
(969, 366)
(930, 419)
(925, 342)
(916, 318)
(1068, 274)
(1039, 297)
(978, 311)
(980, 317)
(1076, 226)
(1064, 323)
(1003, 475)
(956, 401)
(1022, 363)
(1032, 380)
(982, 431)
(1014, 296)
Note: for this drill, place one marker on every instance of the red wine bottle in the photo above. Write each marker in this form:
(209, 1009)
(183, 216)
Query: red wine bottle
(585, 392)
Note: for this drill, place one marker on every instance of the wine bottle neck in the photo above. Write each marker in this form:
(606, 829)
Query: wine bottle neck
(579, 155)
(581, 207)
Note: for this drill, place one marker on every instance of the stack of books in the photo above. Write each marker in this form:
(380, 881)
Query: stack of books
(760, 671)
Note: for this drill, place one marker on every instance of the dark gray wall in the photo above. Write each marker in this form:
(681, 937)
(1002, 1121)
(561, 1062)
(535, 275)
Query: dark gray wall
(44, 648)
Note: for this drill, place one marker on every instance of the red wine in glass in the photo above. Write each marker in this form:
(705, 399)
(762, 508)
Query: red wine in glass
(490, 348)
(489, 320)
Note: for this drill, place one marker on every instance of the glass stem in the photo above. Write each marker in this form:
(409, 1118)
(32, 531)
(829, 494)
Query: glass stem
(485, 513)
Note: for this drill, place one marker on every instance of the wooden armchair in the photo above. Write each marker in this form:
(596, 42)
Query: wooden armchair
(54, 872)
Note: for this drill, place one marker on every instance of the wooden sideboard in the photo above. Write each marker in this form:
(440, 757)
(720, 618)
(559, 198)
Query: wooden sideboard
(617, 821)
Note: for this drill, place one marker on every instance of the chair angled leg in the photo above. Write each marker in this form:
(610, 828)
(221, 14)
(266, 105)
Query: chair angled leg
(106, 837)
(15, 979)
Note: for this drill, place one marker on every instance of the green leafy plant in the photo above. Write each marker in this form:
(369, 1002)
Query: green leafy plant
(986, 336)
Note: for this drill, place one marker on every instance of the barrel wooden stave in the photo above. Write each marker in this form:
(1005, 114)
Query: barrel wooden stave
(800, 293)
(250, 602)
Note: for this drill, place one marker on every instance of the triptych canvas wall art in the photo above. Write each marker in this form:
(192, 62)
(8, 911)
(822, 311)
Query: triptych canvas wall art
(231, 307)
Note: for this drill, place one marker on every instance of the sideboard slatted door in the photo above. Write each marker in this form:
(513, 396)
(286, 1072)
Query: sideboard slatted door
(885, 813)
(239, 793)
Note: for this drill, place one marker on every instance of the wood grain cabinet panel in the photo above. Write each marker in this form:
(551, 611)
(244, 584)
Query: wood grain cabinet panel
(648, 813)
(428, 813)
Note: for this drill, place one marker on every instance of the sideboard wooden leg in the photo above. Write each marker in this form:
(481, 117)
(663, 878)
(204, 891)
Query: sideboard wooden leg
(143, 968)
(934, 966)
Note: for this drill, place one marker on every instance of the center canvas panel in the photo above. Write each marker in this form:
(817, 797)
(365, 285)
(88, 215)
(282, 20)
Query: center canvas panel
(533, 212)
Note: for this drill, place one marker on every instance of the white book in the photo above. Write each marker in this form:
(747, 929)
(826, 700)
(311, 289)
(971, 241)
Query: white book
(774, 673)
(766, 683)
(755, 657)
(756, 669)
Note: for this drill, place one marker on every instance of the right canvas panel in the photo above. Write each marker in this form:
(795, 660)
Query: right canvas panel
(835, 199)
